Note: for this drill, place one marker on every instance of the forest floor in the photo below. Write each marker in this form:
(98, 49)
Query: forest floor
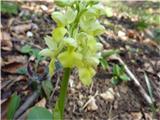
(138, 49)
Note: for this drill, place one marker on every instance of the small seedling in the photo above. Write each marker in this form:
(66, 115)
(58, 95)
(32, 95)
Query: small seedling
(119, 75)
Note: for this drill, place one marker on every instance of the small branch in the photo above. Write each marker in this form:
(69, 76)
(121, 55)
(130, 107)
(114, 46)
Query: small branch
(29, 101)
(136, 82)
(142, 91)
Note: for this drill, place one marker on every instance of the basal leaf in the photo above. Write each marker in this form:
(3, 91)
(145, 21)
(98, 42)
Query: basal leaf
(26, 49)
(13, 105)
(39, 113)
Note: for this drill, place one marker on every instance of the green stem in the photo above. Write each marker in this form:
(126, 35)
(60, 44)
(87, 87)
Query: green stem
(63, 90)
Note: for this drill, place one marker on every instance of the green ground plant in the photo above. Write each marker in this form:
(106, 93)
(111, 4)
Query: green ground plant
(74, 44)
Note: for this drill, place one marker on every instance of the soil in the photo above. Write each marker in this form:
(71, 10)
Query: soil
(128, 103)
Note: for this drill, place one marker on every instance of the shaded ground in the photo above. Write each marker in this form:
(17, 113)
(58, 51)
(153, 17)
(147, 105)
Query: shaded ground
(138, 51)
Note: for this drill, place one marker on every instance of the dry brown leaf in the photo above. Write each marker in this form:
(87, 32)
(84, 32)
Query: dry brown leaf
(150, 42)
(12, 68)
(136, 115)
(148, 67)
(24, 27)
(14, 59)
(6, 43)
(41, 103)
(12, 63)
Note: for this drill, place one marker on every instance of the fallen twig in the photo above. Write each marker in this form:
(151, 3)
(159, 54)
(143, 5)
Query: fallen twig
(131, 75)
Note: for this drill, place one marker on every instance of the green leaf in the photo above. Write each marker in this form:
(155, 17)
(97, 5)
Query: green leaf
(115, 80)
(47, 87)
(70, 59)
(86, 74)
(22, 70)
(116, 70)
(13, 105)
(124, 77)
(39, 113)
(51, 67)
(9, 7)
(59, 33)
(50, 43)
(59, 18)
(26, 49)
(104, 63)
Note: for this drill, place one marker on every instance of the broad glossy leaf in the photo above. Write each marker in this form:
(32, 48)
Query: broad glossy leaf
(70, 59)
(39, 113)
(51, 67)
(70, 15)
(13, 105)
(59, 18)
(50, 43)
(86, 74)
(59, 33)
